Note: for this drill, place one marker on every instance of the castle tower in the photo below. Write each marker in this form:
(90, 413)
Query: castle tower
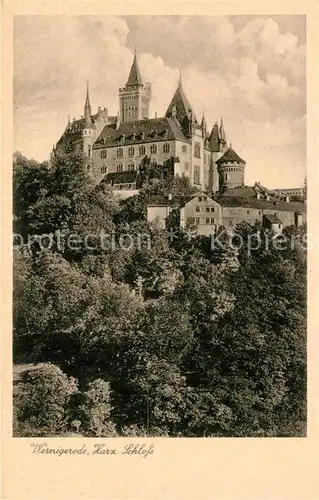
(135, 97)
(231, 170)
(88, 127)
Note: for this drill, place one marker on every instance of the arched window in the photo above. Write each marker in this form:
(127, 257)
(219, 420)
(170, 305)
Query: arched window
(131, 166)
(103, 169)
(166, 148)
(142, 150)
(119, 152)
(153, 148)
(131, 151)
(119, 167)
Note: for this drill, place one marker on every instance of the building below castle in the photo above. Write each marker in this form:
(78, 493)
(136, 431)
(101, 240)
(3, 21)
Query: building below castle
(126, 150)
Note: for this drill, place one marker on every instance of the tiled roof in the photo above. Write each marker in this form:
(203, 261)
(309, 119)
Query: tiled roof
(139, 132)
(135, 75)
(230, 155)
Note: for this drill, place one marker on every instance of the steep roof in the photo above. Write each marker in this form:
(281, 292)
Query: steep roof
(230, 155)
(273, 219)
(214, 138)
(182, 105)
(139, 132)
(135, 74)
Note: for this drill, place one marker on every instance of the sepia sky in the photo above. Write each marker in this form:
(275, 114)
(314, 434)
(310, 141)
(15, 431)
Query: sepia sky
(249, 69)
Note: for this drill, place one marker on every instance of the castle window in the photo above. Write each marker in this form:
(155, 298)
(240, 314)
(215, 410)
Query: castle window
(154, 148)
(197, 220)
(226, 177)
(119, 167)
(89, 150)
(153, 162)
(197, 208)
(103, 153)
(166, 148)
(131, 151)
(131, 166)
(103, 169)
(205, 157)
(248, 212)
(184, 148)
(197, 150)
(196, 175)
(141, 150)
(119, 152)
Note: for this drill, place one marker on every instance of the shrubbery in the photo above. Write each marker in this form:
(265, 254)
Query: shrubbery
(173, 339)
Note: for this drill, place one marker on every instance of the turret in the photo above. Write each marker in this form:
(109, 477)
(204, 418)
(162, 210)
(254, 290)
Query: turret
(135, 97)
(204, 127)
(231, 169)
(88, 126)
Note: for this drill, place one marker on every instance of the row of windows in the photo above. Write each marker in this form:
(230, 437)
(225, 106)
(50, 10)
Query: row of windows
(198, 220)
(207, 209)
(141, 150)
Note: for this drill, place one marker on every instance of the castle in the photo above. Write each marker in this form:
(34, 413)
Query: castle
(118, 148)
(120, 143)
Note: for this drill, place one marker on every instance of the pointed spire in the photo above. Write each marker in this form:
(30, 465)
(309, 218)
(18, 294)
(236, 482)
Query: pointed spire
(182, 105)
(214, 138)
(87, 108)
(222, 131)
(135, 74)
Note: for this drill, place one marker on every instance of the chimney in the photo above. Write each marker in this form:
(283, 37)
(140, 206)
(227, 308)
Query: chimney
(170, 197)
(267, 197)
(258, 196)
(287, 198)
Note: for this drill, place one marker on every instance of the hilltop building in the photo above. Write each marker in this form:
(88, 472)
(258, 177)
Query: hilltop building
(126, 150)
(122, 143)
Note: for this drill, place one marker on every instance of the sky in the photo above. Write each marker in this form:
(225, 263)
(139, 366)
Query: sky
(250, 70)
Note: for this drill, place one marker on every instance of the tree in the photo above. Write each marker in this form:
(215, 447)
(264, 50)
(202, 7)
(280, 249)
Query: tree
(96, 410)
(42, 401)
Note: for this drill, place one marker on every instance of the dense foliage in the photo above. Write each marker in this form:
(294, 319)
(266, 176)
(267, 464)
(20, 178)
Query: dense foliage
(149, 334)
